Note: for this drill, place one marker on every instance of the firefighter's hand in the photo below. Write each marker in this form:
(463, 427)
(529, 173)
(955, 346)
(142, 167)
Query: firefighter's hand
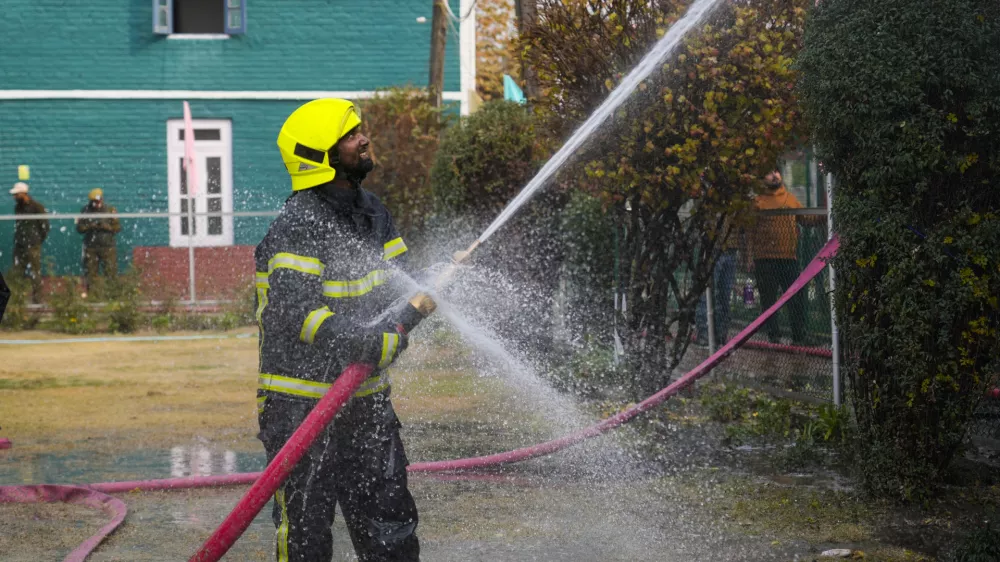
(424, 304)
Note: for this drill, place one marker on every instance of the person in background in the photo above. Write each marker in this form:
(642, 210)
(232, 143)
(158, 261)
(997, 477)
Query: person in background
(773, 255)
(99, 249)
(28, 238)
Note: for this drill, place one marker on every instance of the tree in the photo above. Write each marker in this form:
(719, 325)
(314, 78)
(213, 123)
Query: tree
(496, 49)
(904, 101)
(439, 39)
(685, 153)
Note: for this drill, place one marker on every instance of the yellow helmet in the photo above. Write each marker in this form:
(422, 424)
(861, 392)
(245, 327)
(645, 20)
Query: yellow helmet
(95, 194)
(309, 134)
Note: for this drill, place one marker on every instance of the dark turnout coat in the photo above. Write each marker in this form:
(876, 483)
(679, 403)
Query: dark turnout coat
(325, 286)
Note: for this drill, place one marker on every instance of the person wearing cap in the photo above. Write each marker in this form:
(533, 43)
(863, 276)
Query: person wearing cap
(329, 295)
(28, 238)
(99, 251)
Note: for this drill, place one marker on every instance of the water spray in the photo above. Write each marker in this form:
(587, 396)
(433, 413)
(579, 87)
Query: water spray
(695, 14)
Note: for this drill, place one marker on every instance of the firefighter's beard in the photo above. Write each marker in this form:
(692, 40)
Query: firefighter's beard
(358, 172)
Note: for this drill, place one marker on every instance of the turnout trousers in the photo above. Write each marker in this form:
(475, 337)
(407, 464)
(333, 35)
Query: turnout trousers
(358, 462)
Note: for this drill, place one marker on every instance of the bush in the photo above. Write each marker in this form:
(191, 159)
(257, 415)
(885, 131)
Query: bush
(122, 309)
(17, 316)
(904, 100)
(484, 162)
(69, 312)
(590, 241)
(981, 545)
(590, 372)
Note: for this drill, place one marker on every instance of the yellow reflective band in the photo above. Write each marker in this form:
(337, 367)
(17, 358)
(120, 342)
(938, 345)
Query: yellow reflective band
(389, 344)
(282, 534)
(373, 385)
(295, 262)
(357, 287)
(312, 323)
(310, 389)
(393, 248)
(295, 387)
(260, 404)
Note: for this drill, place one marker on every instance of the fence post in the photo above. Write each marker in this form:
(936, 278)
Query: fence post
(710, 313)
(834, 331)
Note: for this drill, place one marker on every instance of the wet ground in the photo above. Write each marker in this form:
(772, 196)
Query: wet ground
(156, 410)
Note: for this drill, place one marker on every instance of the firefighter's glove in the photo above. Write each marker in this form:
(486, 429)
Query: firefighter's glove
(393, 341)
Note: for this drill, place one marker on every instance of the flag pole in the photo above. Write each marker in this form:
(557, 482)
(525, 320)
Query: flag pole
(192, 184)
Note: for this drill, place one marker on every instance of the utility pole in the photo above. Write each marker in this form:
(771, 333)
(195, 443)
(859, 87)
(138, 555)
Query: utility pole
(527, 15)
(439, 36)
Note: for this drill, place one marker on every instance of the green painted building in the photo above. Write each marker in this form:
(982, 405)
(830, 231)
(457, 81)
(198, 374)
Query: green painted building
(91, 96)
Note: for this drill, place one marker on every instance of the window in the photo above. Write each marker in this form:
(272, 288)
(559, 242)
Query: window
(199, 17)
(214, 193)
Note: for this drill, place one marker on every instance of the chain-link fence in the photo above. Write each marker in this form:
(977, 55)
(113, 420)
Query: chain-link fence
(197, 259)
(792, 353)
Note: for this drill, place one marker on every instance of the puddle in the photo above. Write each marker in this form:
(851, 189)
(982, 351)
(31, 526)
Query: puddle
(82, 466)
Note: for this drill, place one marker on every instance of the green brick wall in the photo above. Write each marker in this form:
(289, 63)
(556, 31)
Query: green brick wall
(120, 145)
(75, 145)
(289, 45)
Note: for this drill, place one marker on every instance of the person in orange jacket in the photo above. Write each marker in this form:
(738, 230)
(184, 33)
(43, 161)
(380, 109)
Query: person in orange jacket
(773, 245)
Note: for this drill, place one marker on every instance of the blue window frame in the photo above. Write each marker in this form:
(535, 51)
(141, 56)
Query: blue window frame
(163, 17)
(234, 16)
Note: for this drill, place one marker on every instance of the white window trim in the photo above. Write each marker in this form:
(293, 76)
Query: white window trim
(467, 55)
(198, 36)
(175, 148)
(196, 94)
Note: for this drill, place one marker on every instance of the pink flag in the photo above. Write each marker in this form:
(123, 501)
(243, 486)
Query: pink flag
(189, 159)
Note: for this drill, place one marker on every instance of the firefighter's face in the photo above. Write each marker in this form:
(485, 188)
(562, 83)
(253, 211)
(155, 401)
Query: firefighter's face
(355, 156)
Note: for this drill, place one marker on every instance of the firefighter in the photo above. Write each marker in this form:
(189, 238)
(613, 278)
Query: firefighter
(28, 238)
(99, 249)
(327, 283)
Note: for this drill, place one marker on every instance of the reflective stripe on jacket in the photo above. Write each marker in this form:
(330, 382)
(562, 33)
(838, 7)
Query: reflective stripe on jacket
(326, 284)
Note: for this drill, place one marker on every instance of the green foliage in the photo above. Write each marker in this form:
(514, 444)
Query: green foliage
(122, 309)
(904, 100)
(242, 308)
(588, 238)
(684, 154)
(485, 160)
(404, 129)
(981, 545)
(589, 372)
(70, 314)
(17, 316)
(752, 416)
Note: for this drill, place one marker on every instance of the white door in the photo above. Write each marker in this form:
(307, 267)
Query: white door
(214, 193)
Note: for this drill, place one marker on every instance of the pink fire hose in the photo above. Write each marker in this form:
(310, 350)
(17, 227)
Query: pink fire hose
(265, 484)
(278, 469)
(48, 493)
